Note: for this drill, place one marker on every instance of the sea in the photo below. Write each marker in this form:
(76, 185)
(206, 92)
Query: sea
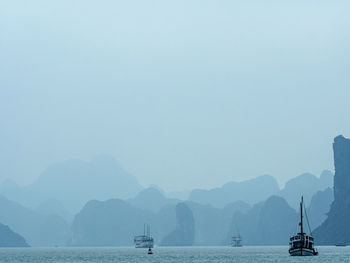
(169, 255)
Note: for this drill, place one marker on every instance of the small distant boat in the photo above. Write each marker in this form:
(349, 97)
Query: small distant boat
(150, 252)
(237, 241)
(145, 240)
(340, 244)
(302, 244)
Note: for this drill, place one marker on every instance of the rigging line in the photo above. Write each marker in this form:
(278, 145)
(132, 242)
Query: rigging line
(307, 220)
(235, 223)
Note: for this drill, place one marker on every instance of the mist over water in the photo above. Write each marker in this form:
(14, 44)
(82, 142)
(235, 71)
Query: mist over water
(184, 94)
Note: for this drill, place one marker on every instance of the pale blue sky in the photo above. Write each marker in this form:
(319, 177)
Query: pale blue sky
(186, 93)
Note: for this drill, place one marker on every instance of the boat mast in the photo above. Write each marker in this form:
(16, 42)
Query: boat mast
(301, 216)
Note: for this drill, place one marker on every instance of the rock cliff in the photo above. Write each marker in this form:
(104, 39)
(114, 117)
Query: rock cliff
(184, 233)
(8, 238)
(336, 227)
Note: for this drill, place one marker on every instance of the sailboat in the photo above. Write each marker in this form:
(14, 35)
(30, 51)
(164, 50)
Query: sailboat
(145, 240)
(302, 244)
(236, 241)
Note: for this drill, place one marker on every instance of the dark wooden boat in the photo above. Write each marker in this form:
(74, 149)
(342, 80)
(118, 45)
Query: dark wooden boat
(302, 244)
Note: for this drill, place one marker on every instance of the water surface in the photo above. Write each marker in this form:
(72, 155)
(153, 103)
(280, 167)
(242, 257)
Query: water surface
(168, 255)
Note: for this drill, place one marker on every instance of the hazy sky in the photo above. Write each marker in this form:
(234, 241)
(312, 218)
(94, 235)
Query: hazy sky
(184, 93)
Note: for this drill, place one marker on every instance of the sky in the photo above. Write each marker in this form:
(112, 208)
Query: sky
(184, 94)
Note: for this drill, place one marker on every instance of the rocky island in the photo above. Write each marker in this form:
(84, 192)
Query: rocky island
(336, 227)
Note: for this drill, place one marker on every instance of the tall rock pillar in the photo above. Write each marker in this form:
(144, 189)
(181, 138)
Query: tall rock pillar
(335, 229)
(341, 150)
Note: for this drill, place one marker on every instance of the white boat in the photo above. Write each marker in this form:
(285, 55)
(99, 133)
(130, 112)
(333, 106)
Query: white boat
(145, 240)
(302, 244)
(237, 241)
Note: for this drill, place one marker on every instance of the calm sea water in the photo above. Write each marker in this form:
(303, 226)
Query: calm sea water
(168, 255)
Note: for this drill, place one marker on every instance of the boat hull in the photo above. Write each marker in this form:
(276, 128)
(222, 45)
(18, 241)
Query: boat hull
(302, 252)
(144, 246)
(143, 242)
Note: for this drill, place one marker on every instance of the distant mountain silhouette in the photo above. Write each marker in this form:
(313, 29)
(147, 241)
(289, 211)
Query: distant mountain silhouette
(9, 188)
(115, 223)
(182, 195)
(250, 191)
(28, 223)
(245, 224)
(237, 206)
(54, 207)
(307, 185)
(319, 207)
(277, 221)
(335, 229)
(212, 224)
(266, 223)
(21, 220)
(151, 199)
(260, 188)
(75, 182)
(55, 231)
(250, 207)
(184, 232)
(8, 238)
